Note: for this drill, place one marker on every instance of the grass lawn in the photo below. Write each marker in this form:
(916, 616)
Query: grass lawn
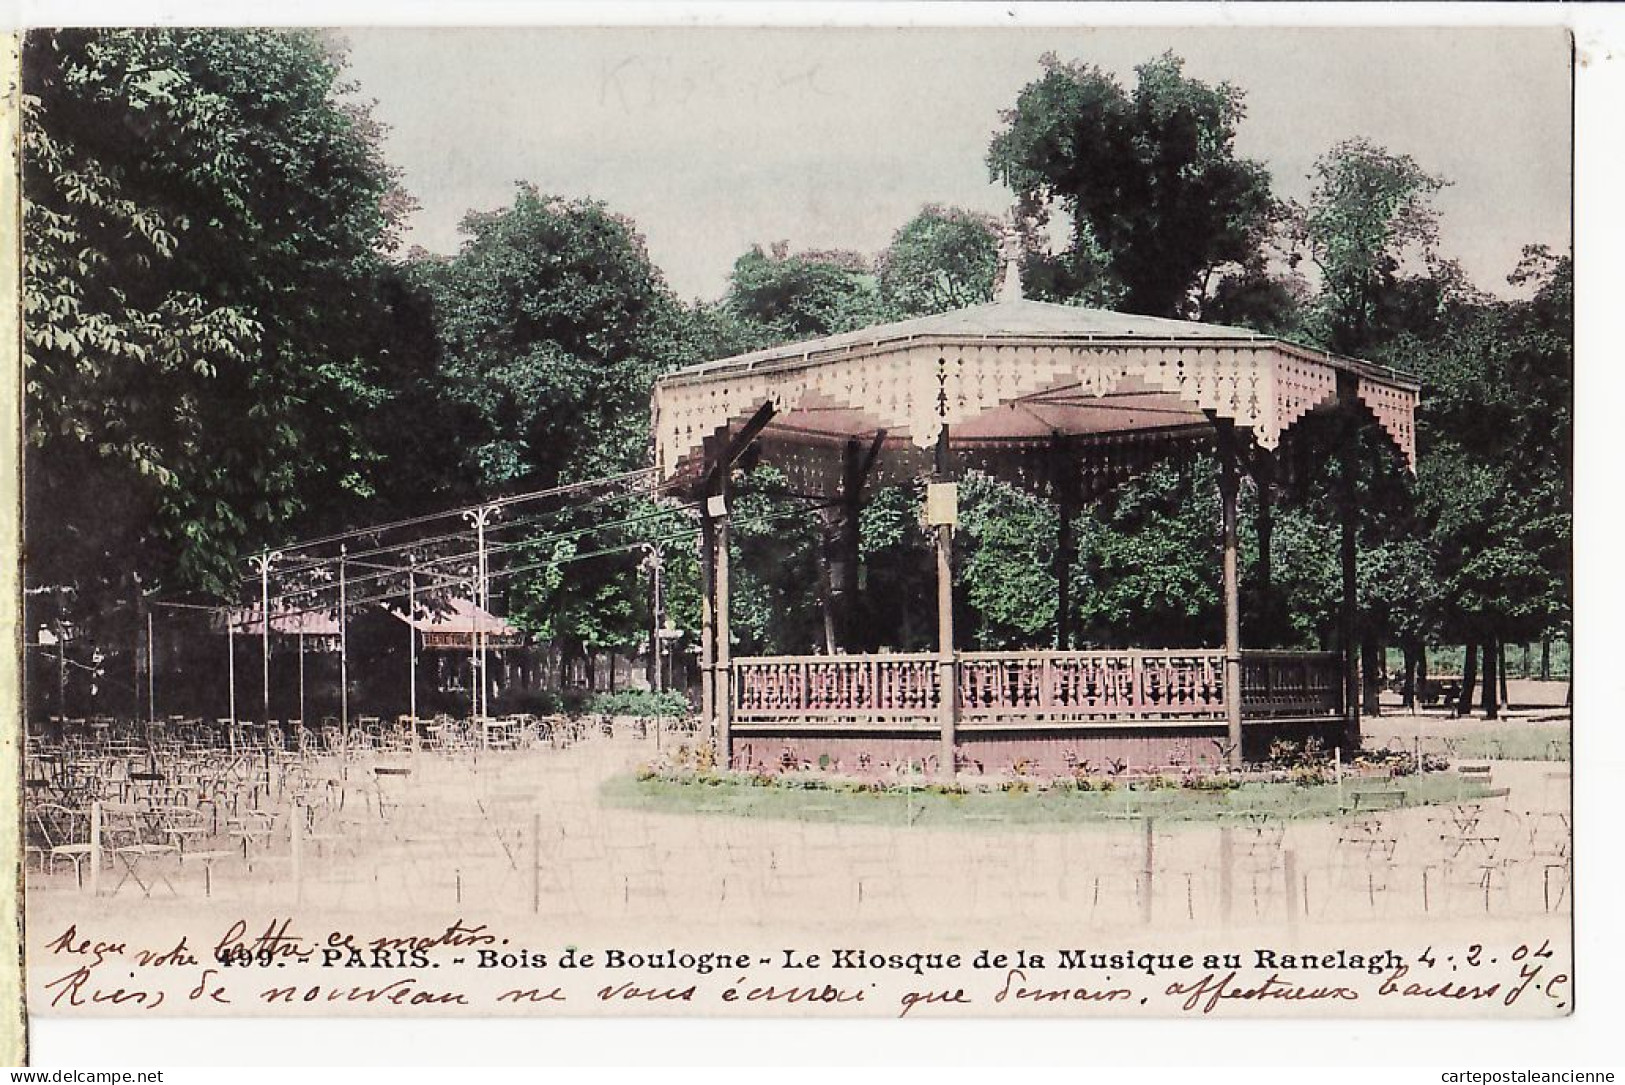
(1056, 809)
(1512, 744)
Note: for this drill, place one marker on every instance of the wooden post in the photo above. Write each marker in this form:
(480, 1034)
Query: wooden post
(1265, 636)
(708, 646)
(716, 689)
(947, 676)
(720, 453)
(722, 684)
(1229, 485)
(1348, 522)
(1065, 476)
(842, 547)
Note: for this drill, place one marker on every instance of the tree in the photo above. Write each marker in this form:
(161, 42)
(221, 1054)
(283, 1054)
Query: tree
(554, 325)
(1151, 561)
(1150, 178)
(1005, 543)
(1495, 489)
(780, 298)
(204, 213)
(1370, 215)
(944, 258)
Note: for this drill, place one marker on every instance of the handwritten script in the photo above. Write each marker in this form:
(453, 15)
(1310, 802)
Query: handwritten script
(273, 963)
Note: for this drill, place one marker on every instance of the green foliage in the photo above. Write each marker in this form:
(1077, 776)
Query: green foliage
(1157, 197)
(778, 297)
(1004, 568)
(901, 569)
(1150, 552)
(775, 564)
(553, 325)
(639, 702)
(944, 258)
(1369, 214)
(203, 216)
(1494, 489)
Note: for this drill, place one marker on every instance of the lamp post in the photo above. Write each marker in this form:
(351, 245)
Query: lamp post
(344, 650)
(152, 707)
(655, 564)
(480, 517)
(263, 562)
(231, 678)
(412, 644)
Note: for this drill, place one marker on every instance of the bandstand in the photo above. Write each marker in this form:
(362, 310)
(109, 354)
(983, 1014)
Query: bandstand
(1065, 402)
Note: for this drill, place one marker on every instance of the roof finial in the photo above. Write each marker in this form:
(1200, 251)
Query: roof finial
(1012, 245)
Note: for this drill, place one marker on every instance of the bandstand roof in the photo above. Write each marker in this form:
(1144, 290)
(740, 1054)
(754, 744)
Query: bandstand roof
(284, 622)
(1009, 377)
(459, 616)
(455, 626)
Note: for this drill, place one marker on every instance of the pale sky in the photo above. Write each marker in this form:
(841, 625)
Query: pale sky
(713, 140)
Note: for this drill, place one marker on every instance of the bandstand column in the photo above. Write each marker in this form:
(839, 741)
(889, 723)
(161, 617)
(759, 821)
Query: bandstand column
(1229, 485)
(708, 659)
(1348, 626)
(942, 500)
(1264, 475)
(1064, 473)
(721, 684)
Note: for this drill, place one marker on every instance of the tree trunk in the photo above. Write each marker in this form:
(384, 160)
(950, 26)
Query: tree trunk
(1407, 690)
(1490, 702)
(1501, 662)
(1545, 659)
(1371, 669)
(1469, 678)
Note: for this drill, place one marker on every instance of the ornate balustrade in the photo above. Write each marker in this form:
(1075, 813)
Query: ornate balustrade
(1129, 683)
(1291, 683)
(820, 687)
(1093, 686)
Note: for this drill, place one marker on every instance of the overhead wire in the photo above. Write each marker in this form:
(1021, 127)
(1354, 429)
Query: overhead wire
(688, 533)
(303, 563)
(499, 548)
(499, 502)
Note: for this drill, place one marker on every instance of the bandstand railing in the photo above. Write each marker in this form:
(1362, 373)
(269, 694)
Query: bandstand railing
(1078, 687)
(879, 686)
